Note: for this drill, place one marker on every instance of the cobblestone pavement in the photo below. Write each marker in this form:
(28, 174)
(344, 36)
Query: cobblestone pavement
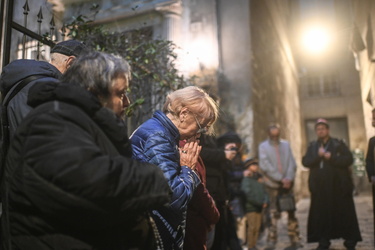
(364, 211)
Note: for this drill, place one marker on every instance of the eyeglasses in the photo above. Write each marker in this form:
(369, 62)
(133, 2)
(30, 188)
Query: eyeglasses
(200, 130)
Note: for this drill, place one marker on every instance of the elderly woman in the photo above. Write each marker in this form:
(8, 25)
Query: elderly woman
(71, 181)
(187, 113)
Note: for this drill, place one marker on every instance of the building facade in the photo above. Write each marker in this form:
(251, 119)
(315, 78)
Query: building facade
(248, 54)
(331, 84)
(363, 48)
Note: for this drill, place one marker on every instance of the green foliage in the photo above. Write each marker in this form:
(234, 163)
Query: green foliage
(154, 73)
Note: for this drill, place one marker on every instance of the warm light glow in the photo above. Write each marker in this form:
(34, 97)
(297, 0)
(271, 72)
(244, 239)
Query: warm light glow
(200, 52)
(316, 40)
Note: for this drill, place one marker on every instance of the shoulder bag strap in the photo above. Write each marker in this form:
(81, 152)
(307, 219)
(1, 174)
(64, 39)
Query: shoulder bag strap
(3, 151)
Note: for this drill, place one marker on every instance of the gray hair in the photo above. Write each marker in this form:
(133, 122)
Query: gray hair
(96, 72)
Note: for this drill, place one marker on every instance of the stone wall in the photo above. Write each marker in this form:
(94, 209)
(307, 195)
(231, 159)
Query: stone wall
(364, 21)
(274, 82)
(349, 102)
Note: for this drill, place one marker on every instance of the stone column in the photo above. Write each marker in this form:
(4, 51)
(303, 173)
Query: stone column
(171, 20)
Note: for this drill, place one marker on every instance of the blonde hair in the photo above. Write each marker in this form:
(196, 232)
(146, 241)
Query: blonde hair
(196, 100)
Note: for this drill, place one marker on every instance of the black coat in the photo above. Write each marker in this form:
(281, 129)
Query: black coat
(71, 183)
(216, 169)
(370, 158)
(332, 212)
(13, 73)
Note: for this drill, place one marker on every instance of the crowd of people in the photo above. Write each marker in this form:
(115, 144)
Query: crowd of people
(71, 177)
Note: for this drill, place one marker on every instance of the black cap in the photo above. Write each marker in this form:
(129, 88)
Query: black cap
(250, 162)
(70, 48)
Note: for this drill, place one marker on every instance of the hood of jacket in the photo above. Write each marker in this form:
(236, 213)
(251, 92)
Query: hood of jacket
(20, 69)
(71, 93)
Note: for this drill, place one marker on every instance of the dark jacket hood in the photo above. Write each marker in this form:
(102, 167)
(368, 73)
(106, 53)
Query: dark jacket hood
(70, 93)
(20, 69)
(74, 94)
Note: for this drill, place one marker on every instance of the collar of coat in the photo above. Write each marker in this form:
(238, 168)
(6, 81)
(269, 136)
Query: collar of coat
(18, 70)
(163, 119)
(74, 94)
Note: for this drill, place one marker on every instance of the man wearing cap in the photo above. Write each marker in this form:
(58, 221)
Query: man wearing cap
(277, 164)
(332, 212)
(62, 56)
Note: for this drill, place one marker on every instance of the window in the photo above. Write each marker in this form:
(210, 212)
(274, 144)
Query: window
(31, 50)
(322, 85)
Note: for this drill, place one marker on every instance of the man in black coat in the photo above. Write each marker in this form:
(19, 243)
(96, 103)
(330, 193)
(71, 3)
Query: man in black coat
(63, 55)
(332, 212)
(70, 180)
(370, 160)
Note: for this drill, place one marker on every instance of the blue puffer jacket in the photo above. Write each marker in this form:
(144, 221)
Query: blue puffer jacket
(156, 141)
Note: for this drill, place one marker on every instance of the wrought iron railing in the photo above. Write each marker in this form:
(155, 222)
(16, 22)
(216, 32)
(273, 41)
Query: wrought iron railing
(31, 43)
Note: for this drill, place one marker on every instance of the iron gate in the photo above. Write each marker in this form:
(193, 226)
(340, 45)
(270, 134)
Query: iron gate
(25, 32)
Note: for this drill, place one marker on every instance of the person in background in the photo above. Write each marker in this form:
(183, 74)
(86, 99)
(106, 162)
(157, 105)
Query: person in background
(187, 113)
(370, 163)
(235, 173)
(256, 200)
(217, 155)
(202, 214)
(332, 212)
(70, 180)
(358, 170)
(63, 55)
(278, 168)
(370, 156)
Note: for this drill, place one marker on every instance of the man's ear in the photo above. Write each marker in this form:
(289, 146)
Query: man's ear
(69, 61)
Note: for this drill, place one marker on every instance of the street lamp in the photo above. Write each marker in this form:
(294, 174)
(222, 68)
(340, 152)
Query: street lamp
(316, 40)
